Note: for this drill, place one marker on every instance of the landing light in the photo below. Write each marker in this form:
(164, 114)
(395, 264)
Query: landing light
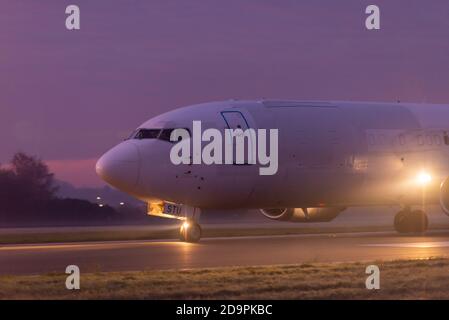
(185, 225)
(423, 178)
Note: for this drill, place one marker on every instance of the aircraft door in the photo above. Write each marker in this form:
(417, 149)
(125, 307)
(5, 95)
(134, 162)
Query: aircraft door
(241, 176)
(236, 120)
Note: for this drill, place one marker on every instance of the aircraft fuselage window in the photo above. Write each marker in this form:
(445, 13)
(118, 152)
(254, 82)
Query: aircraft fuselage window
(446, 139)
(401, 139)
(437, 139)
(420, 140)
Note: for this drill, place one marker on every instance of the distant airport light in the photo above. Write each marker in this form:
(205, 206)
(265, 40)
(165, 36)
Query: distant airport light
(101, 205)
(423, 178)
(122, 203)
(98, 198)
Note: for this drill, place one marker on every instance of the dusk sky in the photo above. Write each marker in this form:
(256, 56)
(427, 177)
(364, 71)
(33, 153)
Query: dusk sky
(68, 96)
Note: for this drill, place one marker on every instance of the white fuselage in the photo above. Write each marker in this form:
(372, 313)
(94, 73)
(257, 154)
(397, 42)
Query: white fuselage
(329, 154)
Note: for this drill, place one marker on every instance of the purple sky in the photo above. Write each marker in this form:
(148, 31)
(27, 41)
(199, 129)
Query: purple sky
(68, 96)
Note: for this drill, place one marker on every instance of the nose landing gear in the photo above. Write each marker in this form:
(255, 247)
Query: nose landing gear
(190, 231)
(411, 221)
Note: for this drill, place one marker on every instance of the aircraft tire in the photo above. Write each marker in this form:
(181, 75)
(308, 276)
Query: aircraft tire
(415, 221)
(190, 231)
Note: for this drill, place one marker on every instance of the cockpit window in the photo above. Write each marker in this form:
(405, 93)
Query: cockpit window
(161, 134)
(147, 134)
(165, 134)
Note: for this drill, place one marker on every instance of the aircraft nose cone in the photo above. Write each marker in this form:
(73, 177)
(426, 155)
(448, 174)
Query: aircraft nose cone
(120, 166)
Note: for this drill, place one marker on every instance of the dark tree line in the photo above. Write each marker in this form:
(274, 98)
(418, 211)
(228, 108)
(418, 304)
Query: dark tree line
(26, 182)
(28, 197)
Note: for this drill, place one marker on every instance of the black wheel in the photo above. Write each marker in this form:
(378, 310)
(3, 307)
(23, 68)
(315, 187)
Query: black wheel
(182, 235)
(190, 231)
(420, 222)
(415, 221)
(400, 224)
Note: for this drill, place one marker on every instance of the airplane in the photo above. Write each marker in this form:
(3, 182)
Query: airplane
(331, 155)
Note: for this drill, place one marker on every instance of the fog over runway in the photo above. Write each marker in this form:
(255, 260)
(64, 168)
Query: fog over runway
(239, 251)
(218, 252)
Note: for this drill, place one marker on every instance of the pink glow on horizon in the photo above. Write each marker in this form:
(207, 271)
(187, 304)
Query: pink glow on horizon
(80, 173)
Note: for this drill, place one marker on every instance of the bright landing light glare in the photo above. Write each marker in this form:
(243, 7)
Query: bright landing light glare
(423, 178)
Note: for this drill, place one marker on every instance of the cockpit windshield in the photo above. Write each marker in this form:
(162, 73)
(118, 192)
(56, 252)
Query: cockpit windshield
(147, 134)
(161, 134)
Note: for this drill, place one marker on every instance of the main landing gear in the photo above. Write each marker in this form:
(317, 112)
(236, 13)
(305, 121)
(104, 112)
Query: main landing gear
(411, 221)
(190, 231)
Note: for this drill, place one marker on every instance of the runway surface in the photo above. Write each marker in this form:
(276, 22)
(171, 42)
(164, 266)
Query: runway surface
(217, 252)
